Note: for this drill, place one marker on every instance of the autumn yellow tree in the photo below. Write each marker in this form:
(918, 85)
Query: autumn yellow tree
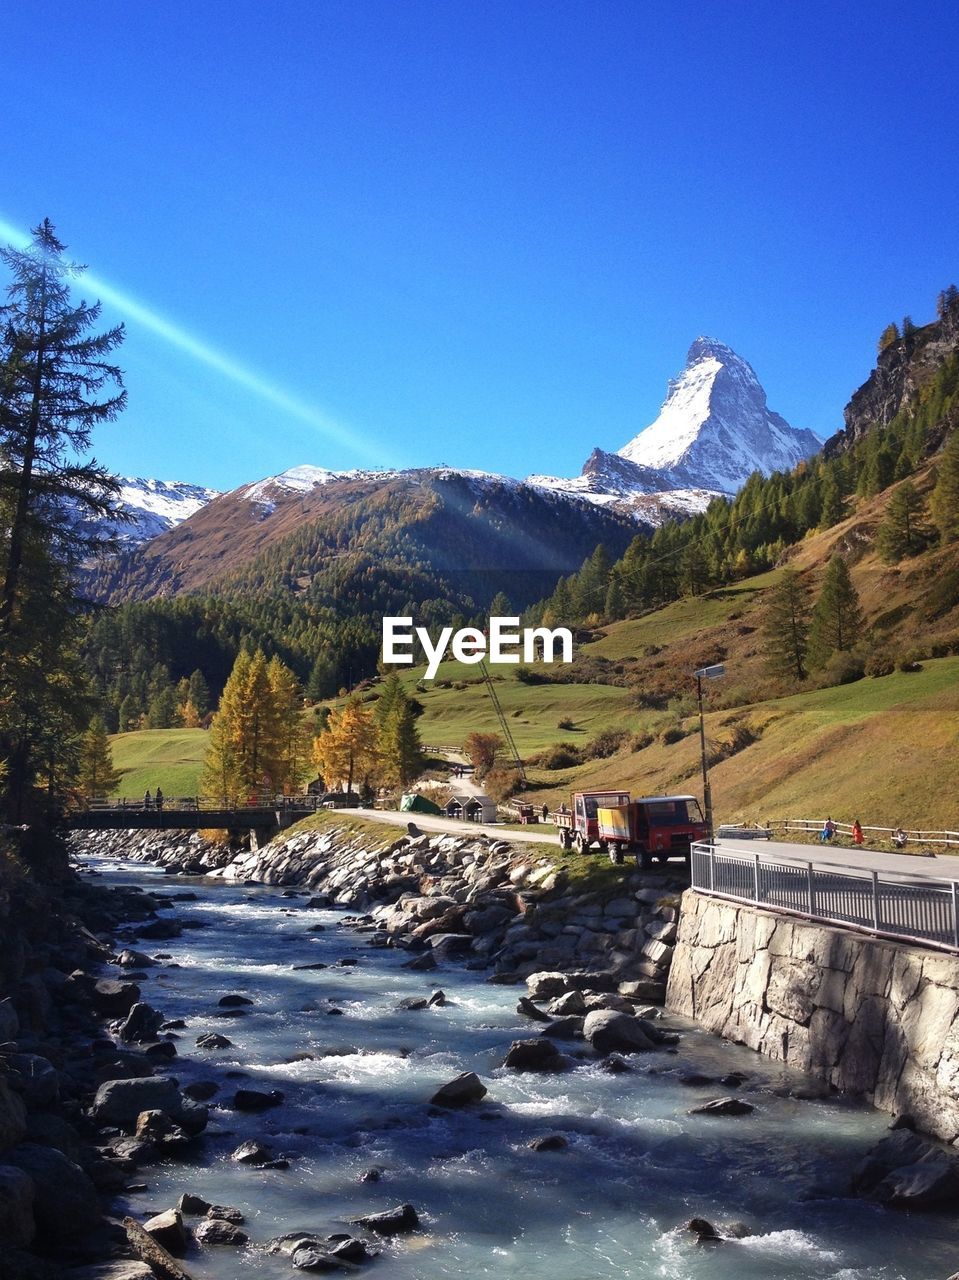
(293, 754)
(245, 736)
(347, 750)
(97, 777)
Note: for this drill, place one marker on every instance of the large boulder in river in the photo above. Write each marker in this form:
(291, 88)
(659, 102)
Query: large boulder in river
(256, 1099)
(460, 1092)
(119, 1102)
(393, 1222)
(543, 986)
(931, 1185)
(723, 1107)
(141, 1024)
(13, 1116)
(65, 1203)
(534, 1055)
(113, 997)
(611, 1032)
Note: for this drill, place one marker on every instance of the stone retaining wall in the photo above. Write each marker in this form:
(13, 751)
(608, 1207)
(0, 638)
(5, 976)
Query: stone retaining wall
(871, 1017)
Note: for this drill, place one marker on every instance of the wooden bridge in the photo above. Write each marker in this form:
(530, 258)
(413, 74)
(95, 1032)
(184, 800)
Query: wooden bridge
(179, 815)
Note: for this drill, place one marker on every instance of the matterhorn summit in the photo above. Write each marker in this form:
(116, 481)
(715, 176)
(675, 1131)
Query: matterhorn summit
(715, 428)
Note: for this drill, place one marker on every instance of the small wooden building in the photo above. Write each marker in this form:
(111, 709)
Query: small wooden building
(471, 808)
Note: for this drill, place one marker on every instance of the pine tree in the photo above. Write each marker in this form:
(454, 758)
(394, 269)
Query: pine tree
(500, 606)
(837, 617)
(787, 627)
(945, 496)
(903, 531)
(615, 606)
(694, 569)
(51, 371)
(97, 777)
(162, 711)
(130, 713)
(199, 693)
(833, 508)
(346, 751)
(398, 738)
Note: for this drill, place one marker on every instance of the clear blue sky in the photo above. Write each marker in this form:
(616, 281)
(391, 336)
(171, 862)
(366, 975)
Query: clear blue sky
(481, 234)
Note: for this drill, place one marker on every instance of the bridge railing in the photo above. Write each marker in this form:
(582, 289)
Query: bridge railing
(195, 804)
(908, 910)
(811, 826)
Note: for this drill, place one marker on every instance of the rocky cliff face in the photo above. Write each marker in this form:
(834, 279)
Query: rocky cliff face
(902, 370)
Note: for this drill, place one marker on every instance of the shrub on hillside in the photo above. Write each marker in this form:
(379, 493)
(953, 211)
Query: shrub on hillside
(563, 756)
(641, 741)
(501, 783)
(566, 724)
(675, 733)
(843, 668)
(879, 663)
(605, 744)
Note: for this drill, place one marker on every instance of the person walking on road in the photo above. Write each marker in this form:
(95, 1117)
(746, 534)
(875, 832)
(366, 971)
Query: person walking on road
(159, 800)
(148, 801)
(857, 836)
(828, 831)
(899, 838)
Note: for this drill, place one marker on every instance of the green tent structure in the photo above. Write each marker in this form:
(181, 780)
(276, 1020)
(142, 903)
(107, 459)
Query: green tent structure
(413, 803)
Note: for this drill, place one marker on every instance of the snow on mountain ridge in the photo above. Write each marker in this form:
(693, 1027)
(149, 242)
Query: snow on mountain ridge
(715, 427)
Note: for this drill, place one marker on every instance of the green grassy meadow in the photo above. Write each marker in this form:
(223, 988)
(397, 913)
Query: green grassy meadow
(167, 758)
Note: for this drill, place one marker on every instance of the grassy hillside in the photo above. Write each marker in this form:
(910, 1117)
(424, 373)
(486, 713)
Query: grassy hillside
(167, 758)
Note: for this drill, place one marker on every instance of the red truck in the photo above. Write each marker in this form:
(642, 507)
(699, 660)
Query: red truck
(649, 827)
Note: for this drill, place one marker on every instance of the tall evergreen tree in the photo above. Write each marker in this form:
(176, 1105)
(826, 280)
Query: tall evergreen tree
(903, 531)
(837, 620)
(199, 693)
(398, 737)
(55, 386)
(786, 632)
(945, 496)
(293, 758)
(97, 777)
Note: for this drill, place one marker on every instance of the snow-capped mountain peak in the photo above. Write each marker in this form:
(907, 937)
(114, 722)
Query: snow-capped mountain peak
(715, 427)
(151, 507)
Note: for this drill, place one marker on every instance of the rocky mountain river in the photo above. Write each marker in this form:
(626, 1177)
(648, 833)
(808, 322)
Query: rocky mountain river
(356, 1126)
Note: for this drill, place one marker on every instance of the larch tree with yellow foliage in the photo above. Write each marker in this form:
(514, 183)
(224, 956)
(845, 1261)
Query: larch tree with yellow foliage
(245, 757)
(347, 750)
(293, 756)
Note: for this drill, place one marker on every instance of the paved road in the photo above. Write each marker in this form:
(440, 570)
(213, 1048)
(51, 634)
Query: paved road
(904, 866)
(432, 822)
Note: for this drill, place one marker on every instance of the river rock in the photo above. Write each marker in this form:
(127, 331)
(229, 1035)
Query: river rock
(529, 1010)
(192, 1205)
(549, 1142)
(564, 1029)
(9, 1022)
(393, 1222)
(460, 1092)
(255, 1153)
(168, 1231)
(256, 1099)
(312, 1257)
(134, 960)
(611, 1032)
(65, 1202)
(36, 1079)
(201, 1090)
(921, 1186)
(569, 1003)
(412, 1004)
(160, 930)
(119, 1102)
(113, 997)
(213, 1040)
(226, 1213)
(723, 1107)
(13, 1116)
(158, 1128)
(234, 1001)
(543, 986)
(422, 964)
(534, 1055)
(141, 1024)
(218, 1231)
(17, 1227)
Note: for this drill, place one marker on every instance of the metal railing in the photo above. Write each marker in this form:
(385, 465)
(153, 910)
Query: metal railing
(913, 836)
(196, 804)
(918, 911)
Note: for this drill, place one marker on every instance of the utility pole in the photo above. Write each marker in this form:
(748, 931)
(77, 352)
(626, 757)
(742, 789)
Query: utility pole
(710, 673)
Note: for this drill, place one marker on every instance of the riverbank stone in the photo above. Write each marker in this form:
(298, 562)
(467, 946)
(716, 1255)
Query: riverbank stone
(463, 1090)
(65, 1204)
(168, 1231)
(392, 1222)
(611, 1032)
(534, 1055)
(17, 1227)
(723, 1107)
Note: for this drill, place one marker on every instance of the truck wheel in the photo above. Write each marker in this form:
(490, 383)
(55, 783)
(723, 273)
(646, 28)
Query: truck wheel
(565, 841)
(643, 860)
(616, 854)
(580, 844)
